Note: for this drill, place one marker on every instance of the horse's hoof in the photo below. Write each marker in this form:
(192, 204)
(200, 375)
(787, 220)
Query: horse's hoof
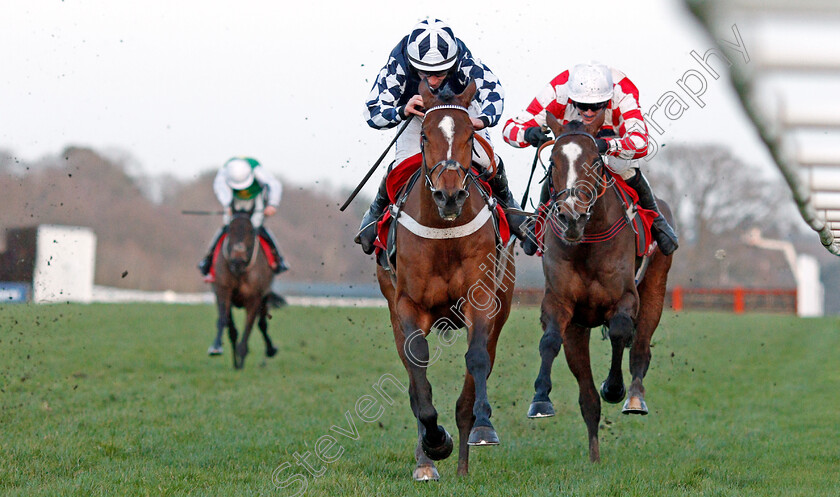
(541, 409)
(440, 452)
(610, 396)
(426, 473)
(635, 405)
(271, 352)
(483, 435)
(238, 362)
(213, 350)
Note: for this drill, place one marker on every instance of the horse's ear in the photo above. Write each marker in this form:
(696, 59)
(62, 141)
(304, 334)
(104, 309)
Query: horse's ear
(426, 93)
(554, 124)
(466, 96)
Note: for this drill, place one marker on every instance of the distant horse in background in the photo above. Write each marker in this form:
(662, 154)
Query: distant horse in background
(590, 262)
(446, 252)
(243, 279)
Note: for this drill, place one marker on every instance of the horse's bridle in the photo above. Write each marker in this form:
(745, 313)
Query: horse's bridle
(447, 165)
(252, 259)
(573, 191)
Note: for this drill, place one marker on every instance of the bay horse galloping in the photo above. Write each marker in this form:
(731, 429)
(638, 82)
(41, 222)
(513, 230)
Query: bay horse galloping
(243, 279)
(590, 265)
(447, 271)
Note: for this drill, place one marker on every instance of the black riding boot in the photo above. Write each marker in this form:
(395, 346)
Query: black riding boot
(518, 223)
(367, 231)
(281, 263)
(530, 244)
(205, 263)
(665, 236)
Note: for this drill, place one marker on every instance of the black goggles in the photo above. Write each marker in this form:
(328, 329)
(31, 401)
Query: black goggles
(587, 107)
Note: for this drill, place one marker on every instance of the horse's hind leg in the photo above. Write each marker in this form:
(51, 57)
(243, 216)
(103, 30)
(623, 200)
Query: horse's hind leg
(550, 345)
(576, 340)
(465, 419)
(270, 349)
(651, 301)
(621, 334)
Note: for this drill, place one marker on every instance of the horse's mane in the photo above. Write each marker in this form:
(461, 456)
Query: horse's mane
(575, 126)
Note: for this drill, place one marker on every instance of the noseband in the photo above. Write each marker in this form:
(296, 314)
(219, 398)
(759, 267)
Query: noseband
(446, 165)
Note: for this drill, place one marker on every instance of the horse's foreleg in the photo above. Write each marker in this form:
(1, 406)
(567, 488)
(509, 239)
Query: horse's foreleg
(576, 340)
(221, 323)
(621, 334)
(270, 349)
(242, 347)
(550, 345)
(478, 366)
(414, 351)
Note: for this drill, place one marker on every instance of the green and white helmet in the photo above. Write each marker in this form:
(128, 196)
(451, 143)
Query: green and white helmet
(239, 172)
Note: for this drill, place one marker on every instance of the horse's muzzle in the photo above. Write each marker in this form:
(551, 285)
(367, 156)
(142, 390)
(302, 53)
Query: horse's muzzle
(570, 223)
(450, 204)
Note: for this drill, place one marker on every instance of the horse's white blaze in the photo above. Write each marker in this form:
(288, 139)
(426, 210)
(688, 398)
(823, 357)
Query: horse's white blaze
(447, 126)
(572, 151)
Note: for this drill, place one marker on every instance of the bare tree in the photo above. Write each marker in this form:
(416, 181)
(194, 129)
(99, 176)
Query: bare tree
(716, 198)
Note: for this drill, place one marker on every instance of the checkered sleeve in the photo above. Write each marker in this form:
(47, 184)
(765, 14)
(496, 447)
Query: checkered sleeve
(489, 92)
(632, 140)
(381, 107)
(552, 98)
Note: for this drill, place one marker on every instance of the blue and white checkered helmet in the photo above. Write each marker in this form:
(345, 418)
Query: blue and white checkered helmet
(432, 46)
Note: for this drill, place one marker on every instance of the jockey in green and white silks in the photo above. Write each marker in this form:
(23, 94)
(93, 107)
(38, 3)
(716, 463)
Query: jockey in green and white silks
(244, 185)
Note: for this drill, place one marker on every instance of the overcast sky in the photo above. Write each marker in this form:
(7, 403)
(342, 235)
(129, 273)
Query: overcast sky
(183, 85)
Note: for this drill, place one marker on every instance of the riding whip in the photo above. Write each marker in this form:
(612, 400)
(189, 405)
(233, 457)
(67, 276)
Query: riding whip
(375, 165)
(533, 168)
(203, 213)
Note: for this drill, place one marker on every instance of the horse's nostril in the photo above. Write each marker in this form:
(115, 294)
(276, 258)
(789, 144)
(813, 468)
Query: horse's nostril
(461, 196)
(439, 197)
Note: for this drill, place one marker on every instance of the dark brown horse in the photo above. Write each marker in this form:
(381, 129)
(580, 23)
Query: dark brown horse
(243, 279)
(449, 274)
(592, 284)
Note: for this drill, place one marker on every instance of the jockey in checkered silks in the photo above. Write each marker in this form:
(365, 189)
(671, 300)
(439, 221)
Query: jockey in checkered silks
(433, 53)
(587, 93)
(244, 185)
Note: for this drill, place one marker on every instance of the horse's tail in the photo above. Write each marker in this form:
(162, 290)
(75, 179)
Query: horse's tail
(275, 301)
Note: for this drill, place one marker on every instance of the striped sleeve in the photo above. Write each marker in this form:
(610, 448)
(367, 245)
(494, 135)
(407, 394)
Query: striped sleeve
(381, 106)
(632, 140)
(551, 98)
(489, 92)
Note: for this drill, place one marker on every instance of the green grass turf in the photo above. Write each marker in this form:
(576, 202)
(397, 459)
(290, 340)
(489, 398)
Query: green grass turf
(123, 400)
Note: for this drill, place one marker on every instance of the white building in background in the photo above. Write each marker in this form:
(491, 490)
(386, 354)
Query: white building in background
(65, 258)
(48, 264)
